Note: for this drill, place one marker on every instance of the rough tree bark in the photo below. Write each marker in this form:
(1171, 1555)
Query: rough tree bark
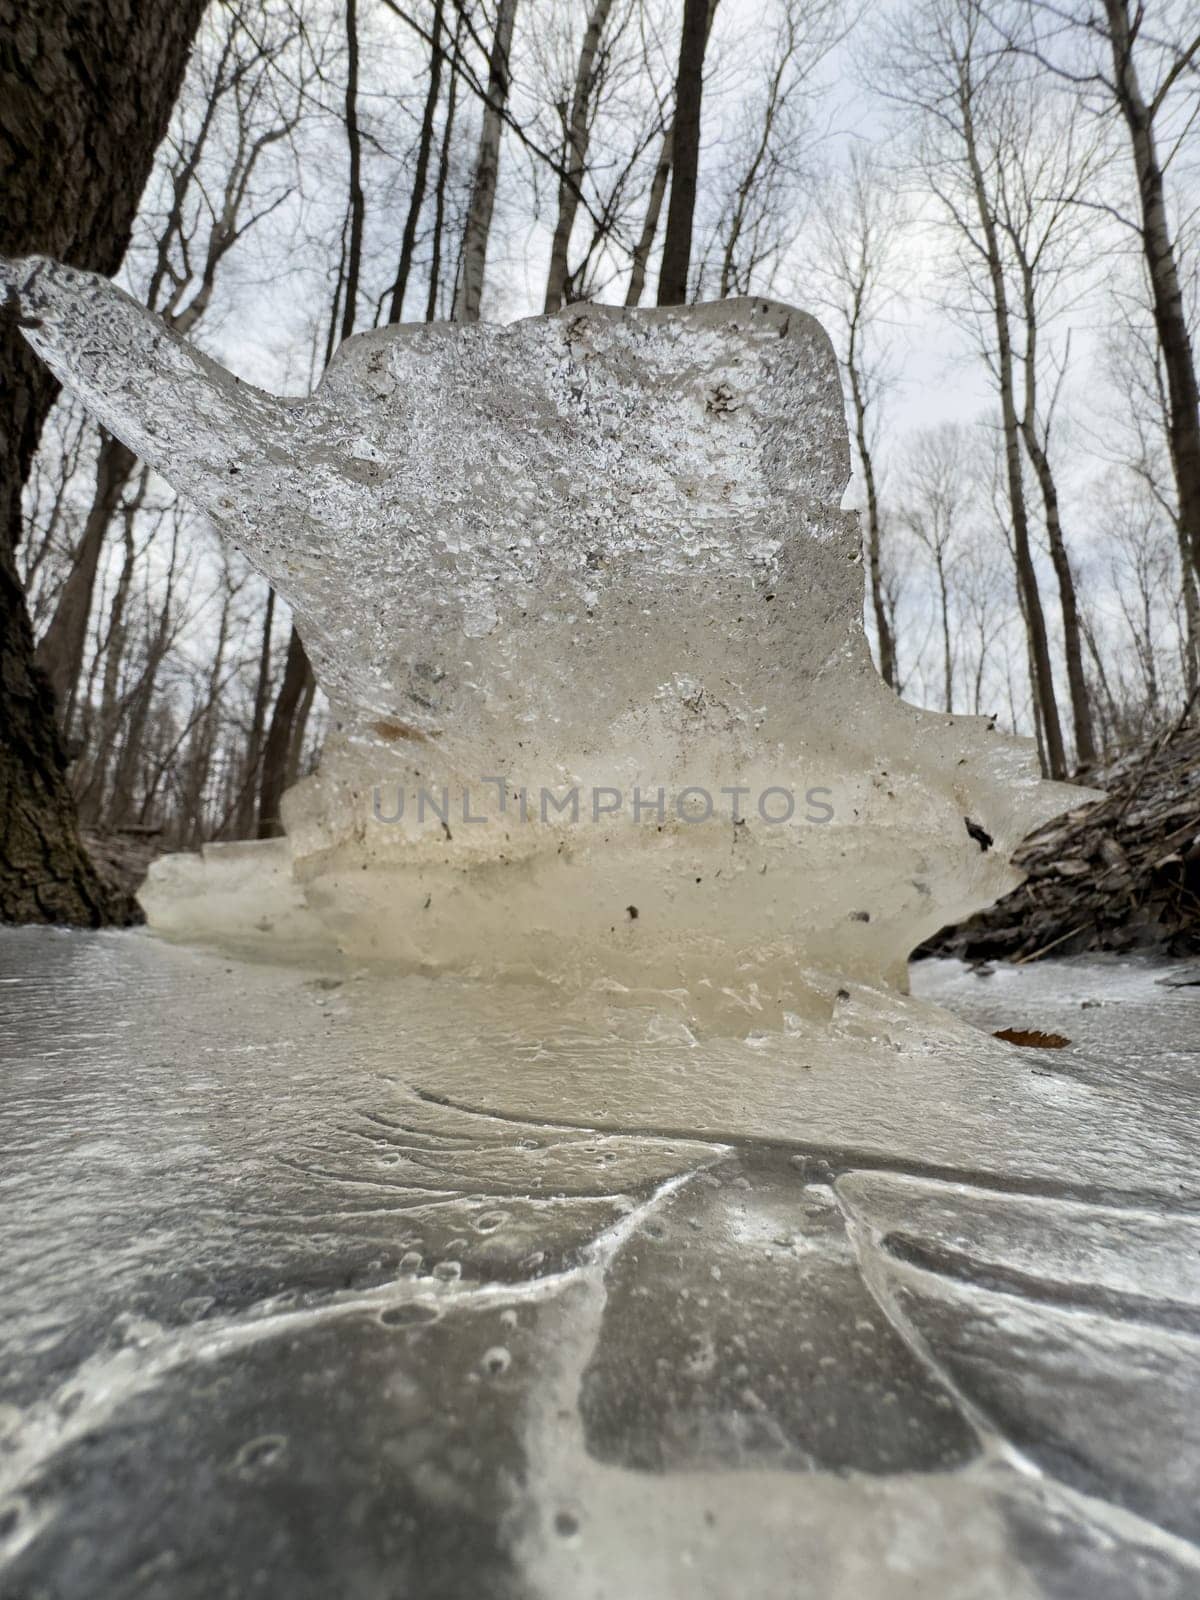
(487, 170)
(685, 155)
(86, 89)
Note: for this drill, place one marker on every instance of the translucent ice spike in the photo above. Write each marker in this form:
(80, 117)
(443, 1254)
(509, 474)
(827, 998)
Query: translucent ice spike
(588, 612)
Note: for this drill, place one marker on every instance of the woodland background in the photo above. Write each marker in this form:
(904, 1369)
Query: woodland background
(991, 206)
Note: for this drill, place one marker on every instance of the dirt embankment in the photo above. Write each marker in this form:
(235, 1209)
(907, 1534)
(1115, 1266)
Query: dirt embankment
(1120, 874)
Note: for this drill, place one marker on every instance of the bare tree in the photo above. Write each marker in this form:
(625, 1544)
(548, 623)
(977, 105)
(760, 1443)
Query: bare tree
(487, 168)
(421, 170)
(100, 721)
(53, 520)
(445, 150)
(1135, 430)
(654, 203)
(934, 497)
(1145, 666)
(657, 192)
(356, 200)
(984, 595)
(766, 176)
(685, 154)
(1143, 65)
(244, 818)
(949, 70)
(1046, 163)
(851, 263)
(576, 134)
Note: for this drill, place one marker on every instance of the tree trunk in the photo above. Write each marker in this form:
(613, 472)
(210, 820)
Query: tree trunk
(1081, 709)
(1108, 700)
(1039, 732)
(654, 203)
(947, 648)
(685, 155)
(883, 632)
(86, 90)
(121, 806)
(357, 201)
(487, 170)
(1191, 618)
(243, 826)
(101, 747)
(439, 193)
(60, 652)
(577, 133)
(280, 737)
(203, 743)
(140, 704)
(299, 729)
(1055, 762)
(658, 192)
(421, 172)
(1170, 314)
(1035, 619)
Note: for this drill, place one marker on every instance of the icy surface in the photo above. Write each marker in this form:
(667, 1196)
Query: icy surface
(318, 1282)
(597, 554)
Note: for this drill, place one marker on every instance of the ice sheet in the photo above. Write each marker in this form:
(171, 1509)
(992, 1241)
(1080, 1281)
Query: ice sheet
(356, 1285)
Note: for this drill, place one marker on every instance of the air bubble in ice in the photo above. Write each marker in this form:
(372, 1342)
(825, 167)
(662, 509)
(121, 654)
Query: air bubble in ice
(258, 1454)
(408, 1316)
(489, 1221)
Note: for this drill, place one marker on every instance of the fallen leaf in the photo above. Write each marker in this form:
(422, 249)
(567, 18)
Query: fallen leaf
(1032, 1039)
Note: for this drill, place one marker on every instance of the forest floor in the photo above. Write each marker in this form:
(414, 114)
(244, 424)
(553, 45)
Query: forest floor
(1118, 874)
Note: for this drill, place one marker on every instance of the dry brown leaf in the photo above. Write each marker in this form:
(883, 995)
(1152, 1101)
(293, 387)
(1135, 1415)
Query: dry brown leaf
(1032, 1039)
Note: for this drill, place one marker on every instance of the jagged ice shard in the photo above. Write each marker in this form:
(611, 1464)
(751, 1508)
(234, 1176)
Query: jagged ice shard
(588, 613)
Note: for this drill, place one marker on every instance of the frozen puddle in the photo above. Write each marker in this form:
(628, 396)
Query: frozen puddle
(317, 1284)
